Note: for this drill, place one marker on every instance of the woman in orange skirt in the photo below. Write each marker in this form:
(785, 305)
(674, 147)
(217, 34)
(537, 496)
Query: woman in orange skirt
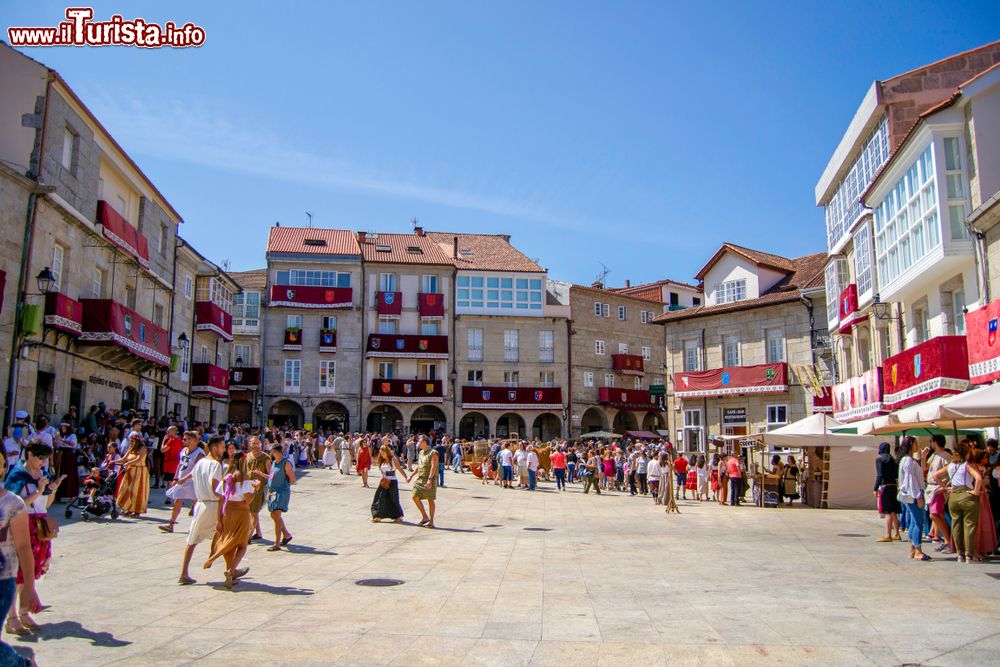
(231, 539)
(133, 485)
(364, 462)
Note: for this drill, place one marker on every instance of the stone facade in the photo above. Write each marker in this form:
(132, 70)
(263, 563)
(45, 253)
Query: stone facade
(594, 339)
(247, 348)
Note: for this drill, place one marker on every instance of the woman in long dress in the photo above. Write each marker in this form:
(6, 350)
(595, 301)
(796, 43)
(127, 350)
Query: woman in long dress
(347, 456)
(64, 460)
(133, 485)
(364, 462)
(258, 468)
(230, 543)
(329, 454)
(385, 504)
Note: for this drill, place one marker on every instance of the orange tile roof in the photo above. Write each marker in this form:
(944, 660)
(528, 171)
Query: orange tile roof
(484, 252)
(293, 240)
(250, 280)
(757, 257)
(807, 273)
(611, 293)
(404, 249)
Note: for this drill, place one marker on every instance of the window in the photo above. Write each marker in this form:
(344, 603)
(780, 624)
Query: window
(863, 260)
(597, 308)
(836, 278)
(246, 309)
(499, 293)
(161, 240)
(775, 346)
(622, 348)
(637, 384)
(922, 324)
(692, 356)
(330, 322)
(588, 379)
(545, 350)
(599, 347)
(218, 357)
(609, 379)
(958, 312)
(692, 430)
(510, 345)
(204, 355)
(121, 205)
(606, 309)
(386, 325)
(429, 327)
(58, 252)
(242, 355)
(644, 317)
(130, 296)
(312, 277)
(845, 205)
(293, 375)
(475, 378)
(696, 301)
(622, 313)
(188, 287)
(511, 378)
(293, 321)
(731, 351)
(429, 284)
(777, 416)
(68, 150)
(956, 191)
(386, 370)
(646, 353)
(387, 282)
(675, 299)
(427, 371)
(547, 378)
(475, 344)
(158, 315)
(731, 291)
(185, 363)
(212, 289)
(97, 289)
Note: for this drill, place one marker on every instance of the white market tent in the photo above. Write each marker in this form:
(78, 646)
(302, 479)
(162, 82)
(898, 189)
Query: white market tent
(846, 463)
(978, 408)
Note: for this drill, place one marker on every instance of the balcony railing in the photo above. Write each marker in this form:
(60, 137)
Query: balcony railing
(627, 399)
(209, 380)
(210, 316)
(407, 391)
(406, 346)
(109, 323)
(511, 398)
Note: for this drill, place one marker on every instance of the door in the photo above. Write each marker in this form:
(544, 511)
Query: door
(43, 393)
(76, 396)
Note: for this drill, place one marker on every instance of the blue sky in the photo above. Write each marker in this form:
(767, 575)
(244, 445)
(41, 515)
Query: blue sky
(639, 135)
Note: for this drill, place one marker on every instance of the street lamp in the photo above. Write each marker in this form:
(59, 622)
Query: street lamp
(182, 341)
(46, 280)
(881, 309)
(239, 362)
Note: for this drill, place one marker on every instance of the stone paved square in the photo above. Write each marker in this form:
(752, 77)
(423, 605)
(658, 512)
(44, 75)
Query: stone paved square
(613, 581)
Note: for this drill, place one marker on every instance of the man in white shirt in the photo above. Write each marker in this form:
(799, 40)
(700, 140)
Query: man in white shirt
(506, 463)
(532, 468)
(521, 459)
(206, 476)
(13, 444)
(135, 430)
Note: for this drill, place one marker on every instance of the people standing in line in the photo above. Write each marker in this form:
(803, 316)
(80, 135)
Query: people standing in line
(911, 494)
(259, 469)
(935, 498)
(886, 492)
(183, 486)
(680, 471)
(205, 476)
(506, 466)
(29, 481)
(234, 526)
(133, 484)
(558, 458)
(385, 504)
(735, 474)
(16, 562)
(425, 487)
(279, 494)
(364, 463)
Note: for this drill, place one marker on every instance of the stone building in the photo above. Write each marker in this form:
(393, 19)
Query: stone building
(752, 357)
(313, 329)
(672, 294)
(76, 204)
(616, 356)
(247, 348)
(407, 325)
(510, 341)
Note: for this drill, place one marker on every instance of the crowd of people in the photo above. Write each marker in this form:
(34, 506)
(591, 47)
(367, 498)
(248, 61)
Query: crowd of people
(945, 498)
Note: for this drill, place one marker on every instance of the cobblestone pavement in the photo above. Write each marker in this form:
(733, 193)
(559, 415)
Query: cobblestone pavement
(611, 580)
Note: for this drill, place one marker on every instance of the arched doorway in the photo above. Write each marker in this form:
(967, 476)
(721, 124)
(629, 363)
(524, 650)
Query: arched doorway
(427, 418)
(652, 422)
(286, 414)
(474, 425)
(546, 427)
(331, 416)
(385, 419)
(593, 420)
(240, 412)
(624, 421)
(130, 399)
(510, 425)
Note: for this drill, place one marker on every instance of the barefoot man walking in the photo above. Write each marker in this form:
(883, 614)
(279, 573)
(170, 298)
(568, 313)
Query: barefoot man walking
(426, 486)
(206, 475)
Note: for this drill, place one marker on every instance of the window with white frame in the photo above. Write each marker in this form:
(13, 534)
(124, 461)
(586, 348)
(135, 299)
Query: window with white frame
(387, 325)
(845, 205)
(622, 313)
(647, 353)
(58, 253)
(429, 284)
(218, 357)
(311, 277)
(731, 350)
(330, 322)
(204, 355)
(427, 371)
(588, 379)
(775, 345)
(188, 287)
(500, 293)
(609, 379)
(546, 353)
(863, 260)
(246, 309)
(777, 416)
(597, 308)
(510, 345)
(836, 277)
(547, 378)
(130, 296)
(212, 289)
(68, 149)
(429, 327)
(475, 344)
(692, 430)
(387, 282)
(907, 221)
(599, 347)
(622, 348)
(644, 316)
(605, 310)
(327, 376)
(293, 375)
(242, 354)
(692, 356)
(958, 312)
(731, 291)
(955, 189)
(475, 378)
(100, 277)
(637, 382)
(185, 362)
(386, 370)
(511, 378)
(293, 321)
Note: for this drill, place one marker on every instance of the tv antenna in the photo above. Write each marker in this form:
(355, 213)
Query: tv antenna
(603, 275)
(310, 216)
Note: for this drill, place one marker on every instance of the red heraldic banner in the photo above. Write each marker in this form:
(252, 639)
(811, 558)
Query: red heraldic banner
(311, 296)
(63, 313)
(390, 304)
(119, 231)
(937, 367)
(981, 337)
(849, 314)
(431, 306)
(760, 379)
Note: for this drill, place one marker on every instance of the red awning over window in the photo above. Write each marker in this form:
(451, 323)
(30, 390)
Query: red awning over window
(627, 364)
(120, 232)
(107, 322)
(209, 380)
(628, 399)
(982, 339)
(407, 346)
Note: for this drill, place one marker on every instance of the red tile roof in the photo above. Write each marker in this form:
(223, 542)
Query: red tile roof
(807, 273)
(403, 249)
(652, 290)
(484, 252)
(250, 280)
(611, 293)
(328, 241)
(757, 257)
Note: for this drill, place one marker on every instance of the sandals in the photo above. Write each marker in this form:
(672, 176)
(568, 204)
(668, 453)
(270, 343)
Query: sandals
(169, 528)
(286, 540)
(923, 557)
(12, 629)
(185, 581)
(28, 622)
(274, 547)
(424, 522)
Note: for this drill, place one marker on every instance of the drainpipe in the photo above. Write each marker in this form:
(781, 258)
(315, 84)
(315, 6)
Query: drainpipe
(27, 241)
(364, 347)
(453, 361)
(170, 326)
(568, 422)
(704, 399)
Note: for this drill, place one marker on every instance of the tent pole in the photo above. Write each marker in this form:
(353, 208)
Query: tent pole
(954, 431)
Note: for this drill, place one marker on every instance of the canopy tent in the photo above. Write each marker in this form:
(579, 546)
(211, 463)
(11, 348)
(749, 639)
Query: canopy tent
(817, 430)
(597, 435)
(983, 403)
(864, 426)
(979, 408)
(642, 435)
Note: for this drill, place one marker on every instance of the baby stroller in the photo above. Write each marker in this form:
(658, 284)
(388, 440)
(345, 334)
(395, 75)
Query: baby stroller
(100, 487)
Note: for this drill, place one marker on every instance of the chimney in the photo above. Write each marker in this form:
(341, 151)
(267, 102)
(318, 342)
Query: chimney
(628, 283)
(361, 237)
(418, 230)
(597, 284)
(454, 248)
